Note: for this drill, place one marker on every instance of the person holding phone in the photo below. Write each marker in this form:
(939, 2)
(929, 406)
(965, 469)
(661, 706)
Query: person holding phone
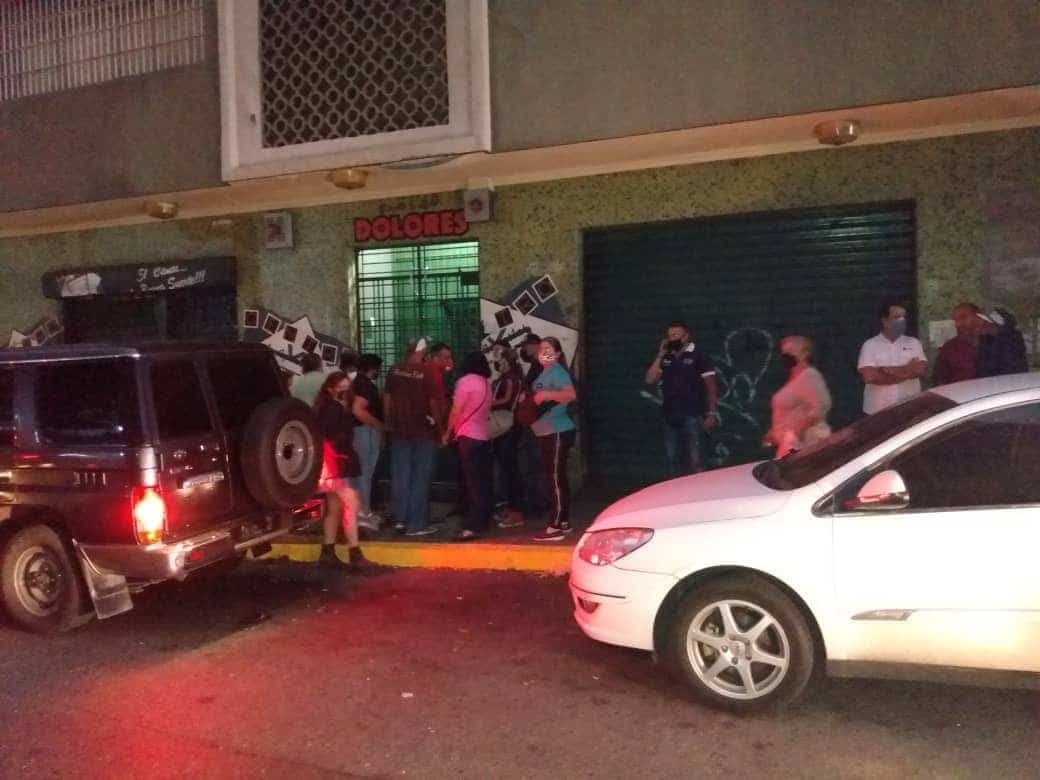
(689, 396)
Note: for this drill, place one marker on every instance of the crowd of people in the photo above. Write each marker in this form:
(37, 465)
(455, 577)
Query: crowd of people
(513, 429)
(891, 364)
(517, 426)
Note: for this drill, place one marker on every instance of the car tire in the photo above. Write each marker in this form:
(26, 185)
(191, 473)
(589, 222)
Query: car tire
(281, 453)
(742, 644)
(40, 585)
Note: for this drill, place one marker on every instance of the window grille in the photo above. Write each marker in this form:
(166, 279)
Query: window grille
(47, 46)
(410, 291)
(347, 68)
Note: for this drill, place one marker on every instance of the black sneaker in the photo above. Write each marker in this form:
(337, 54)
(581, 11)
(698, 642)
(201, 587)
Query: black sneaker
(329, 560)
(467, 535)
(552, 533)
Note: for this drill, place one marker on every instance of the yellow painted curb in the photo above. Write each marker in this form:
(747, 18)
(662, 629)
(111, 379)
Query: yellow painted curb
(552, 558)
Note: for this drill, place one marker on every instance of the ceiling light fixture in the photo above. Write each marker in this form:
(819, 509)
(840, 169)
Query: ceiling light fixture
(161, 209)
(837, 132)
(349, 178)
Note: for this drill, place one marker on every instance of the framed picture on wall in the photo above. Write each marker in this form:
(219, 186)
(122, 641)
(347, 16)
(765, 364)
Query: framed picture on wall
(271, 324)
(330, 353)
(251, 318)
(503, 317)
(525, 303)
(277, 229)
(544, 288)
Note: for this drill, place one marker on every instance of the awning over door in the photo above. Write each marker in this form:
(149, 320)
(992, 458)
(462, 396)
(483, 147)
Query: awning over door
(139, 278)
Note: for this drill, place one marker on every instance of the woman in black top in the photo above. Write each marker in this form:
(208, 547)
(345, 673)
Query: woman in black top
(505, 390)
(341, 467)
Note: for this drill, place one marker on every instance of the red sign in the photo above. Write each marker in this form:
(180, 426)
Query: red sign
(426, 224)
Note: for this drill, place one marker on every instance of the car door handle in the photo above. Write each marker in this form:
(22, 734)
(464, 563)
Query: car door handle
(206, 478)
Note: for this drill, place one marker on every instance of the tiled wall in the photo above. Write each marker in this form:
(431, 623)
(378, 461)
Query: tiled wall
(957, 184)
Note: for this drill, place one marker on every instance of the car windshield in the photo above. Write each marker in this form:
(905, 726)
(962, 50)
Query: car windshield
(810, 464)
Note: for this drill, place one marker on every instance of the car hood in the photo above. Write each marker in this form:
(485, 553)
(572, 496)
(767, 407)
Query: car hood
(712, 495)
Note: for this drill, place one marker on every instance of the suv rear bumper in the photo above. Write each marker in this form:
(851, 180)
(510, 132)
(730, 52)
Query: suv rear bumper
(176, 560)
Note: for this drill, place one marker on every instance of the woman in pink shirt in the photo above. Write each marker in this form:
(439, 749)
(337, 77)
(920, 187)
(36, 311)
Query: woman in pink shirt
(469, 426)
(801, 406)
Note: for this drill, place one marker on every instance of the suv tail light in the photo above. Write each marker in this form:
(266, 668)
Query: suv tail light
(149, 511)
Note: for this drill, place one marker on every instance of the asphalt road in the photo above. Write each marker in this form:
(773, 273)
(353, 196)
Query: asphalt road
(281, 672)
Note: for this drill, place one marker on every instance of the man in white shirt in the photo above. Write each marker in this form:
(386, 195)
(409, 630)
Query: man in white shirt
(891, 363)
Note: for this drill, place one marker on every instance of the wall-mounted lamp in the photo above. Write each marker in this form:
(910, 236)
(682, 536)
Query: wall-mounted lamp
(161, 209)
(837, 132)
(349, 178)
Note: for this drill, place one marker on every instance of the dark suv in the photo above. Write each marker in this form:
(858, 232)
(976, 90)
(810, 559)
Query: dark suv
(125, 466)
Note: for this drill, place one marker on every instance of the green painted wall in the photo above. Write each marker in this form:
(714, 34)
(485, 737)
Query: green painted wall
(956, 182)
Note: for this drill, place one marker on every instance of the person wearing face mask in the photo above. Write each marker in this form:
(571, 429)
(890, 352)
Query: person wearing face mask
(801, 406)
(689, 398)
(305, 387)
(340, 470)
(891, 363)
(555, 432)
(529, 457)
(505, 446)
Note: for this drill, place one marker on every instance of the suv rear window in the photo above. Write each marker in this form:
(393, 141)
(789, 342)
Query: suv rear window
(241, 383)
(180, 406)
(6, 407)
(89, 402)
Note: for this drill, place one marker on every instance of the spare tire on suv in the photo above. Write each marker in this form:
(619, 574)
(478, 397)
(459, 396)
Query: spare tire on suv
(281, 453)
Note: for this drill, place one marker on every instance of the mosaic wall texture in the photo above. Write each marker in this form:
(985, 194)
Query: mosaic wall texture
(537, 228)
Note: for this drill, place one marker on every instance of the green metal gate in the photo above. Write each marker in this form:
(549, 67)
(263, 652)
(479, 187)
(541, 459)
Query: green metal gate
(409, 291)
(741, 283)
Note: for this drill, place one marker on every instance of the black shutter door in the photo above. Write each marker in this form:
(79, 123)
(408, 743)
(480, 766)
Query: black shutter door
(741, 283)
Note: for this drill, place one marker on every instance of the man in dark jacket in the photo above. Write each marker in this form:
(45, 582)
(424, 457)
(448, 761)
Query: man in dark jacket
(1002, 349)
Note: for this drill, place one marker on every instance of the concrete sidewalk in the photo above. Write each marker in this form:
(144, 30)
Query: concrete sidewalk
(510, 549)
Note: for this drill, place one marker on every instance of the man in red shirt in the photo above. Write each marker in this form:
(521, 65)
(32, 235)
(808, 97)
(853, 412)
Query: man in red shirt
(957, 357)
(414, 406)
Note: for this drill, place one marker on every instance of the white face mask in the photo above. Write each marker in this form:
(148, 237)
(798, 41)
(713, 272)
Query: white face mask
(547, 358)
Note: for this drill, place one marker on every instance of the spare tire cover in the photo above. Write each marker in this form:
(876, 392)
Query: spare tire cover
(281, 453)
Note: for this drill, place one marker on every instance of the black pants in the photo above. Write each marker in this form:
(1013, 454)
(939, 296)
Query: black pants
(507, 452)
(475, 464)
(555, 448)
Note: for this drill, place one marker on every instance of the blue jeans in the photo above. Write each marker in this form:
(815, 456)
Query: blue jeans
(684, 442)
(367, 441)
(475, 461)
(411, 469)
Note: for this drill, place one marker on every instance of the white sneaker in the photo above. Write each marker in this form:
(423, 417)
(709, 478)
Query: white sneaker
(368, 521)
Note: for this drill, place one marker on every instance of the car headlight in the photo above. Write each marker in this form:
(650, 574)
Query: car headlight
(602, 548)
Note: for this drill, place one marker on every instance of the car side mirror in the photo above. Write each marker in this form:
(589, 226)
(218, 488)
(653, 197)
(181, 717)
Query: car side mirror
(885, 490)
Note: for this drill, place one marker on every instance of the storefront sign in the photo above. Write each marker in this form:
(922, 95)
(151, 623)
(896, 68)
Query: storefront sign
(426, 224)
(140, 278)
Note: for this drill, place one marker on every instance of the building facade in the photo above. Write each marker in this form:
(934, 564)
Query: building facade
(591, 170)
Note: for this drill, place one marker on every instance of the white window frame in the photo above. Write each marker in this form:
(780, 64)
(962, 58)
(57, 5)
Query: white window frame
(243, 155)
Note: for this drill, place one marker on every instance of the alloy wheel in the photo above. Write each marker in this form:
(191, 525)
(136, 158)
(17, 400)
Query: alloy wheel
(738, 649)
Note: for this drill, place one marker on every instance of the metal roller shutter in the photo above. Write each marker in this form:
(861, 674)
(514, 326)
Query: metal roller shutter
(741, 283)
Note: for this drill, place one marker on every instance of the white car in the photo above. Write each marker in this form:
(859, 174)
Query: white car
(905, 545)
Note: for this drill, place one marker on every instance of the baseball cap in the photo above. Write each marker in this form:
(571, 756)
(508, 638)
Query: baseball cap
(419, 344)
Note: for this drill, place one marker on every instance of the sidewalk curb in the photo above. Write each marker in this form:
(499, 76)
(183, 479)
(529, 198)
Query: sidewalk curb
(550, 559)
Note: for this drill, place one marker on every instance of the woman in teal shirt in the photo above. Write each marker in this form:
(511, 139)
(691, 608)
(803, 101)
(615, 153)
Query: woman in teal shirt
(554, 430)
